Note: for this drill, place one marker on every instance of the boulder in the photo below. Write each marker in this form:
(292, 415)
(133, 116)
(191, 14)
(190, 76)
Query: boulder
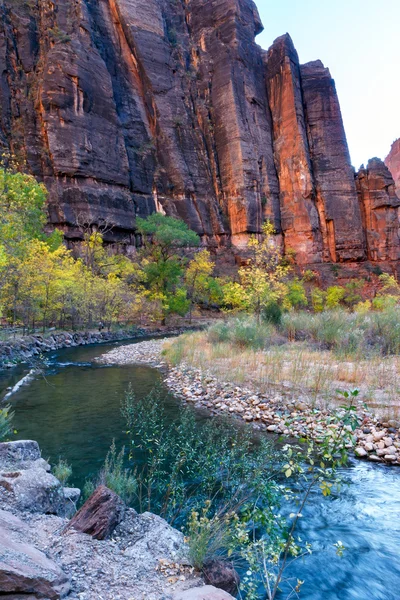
(27, 571)
(207, 592)
(34, 490)
(100, 514)
(19, 453)
(152, 539)
(222, 575)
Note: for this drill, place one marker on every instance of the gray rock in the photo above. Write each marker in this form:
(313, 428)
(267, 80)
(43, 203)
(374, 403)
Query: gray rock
(34, 490)
(71, 498)
(19, 453)
(26, 570)
(207, 592)
(152, 539)
(72, 494)
(360, 452)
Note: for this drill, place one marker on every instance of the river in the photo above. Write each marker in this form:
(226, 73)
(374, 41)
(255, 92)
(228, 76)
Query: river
(74, 412)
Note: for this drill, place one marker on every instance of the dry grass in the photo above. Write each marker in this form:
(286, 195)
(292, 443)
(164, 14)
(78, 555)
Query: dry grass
(294, 368)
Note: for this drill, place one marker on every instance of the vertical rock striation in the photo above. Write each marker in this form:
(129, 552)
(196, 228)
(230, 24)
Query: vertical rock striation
(124, 107)
(300, 221)
(335, 188)
(380, 208)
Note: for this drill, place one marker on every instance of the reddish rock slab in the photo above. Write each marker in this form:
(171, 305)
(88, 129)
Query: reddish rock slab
(380, 208)
(100, 514)
(221, 575)
(336, 195)
(299, 214)
(392, 161)
(25, 570)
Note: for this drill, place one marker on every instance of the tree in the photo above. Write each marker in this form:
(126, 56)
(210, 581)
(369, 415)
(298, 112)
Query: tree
(202, 287)
(162, 260)
(261, 282)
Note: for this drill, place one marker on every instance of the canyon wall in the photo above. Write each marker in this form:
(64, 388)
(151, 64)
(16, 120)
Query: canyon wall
(123, 107)
(392, 161)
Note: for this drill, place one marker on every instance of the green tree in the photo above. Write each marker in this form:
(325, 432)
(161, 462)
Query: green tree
(162, 260)
(201, 286)
(261, 282)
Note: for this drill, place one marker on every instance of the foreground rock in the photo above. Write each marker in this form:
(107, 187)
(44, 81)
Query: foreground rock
(222, 575)
(27, 482)
(208, 592)
(106, 551)
(100, 514)
(23, 568)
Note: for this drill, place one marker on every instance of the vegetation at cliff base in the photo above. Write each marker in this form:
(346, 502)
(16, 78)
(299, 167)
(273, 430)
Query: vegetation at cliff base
(43, 284)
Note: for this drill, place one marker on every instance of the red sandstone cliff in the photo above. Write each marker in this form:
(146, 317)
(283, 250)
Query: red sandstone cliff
(123, 107)
(392, 161)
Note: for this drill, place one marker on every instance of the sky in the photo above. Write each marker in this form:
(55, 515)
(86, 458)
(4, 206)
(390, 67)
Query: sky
(359, 40)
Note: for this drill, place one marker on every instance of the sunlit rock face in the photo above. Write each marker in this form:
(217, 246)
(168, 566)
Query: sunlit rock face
(392, 161)
(380, 208)
(124, 107)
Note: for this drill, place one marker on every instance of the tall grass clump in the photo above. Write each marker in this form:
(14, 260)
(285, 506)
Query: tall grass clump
(245, 332)
(115, 476)
(62, 471)
(382, 331)
(353, 334)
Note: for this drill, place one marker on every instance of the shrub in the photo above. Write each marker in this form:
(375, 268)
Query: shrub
(318, 299)
(334, 296)
(243, 332)
(6, 418)
(384, 302)
(296, 296)
(272, 313)
(181, 465)
(219, 333)
(62, 471)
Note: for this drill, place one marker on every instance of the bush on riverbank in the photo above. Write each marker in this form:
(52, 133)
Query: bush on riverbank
(227, 489)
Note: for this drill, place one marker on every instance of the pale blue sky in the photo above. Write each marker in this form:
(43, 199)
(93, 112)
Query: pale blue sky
(359, 40)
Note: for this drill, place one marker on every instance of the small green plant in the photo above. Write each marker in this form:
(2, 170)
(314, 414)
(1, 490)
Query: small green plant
(335, 270)
(6, 418)
(116, 477)
(58, 35)
(62, 471)
(208, 537)
(318, 466)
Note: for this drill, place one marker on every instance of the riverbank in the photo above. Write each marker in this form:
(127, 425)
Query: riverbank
(281, 411)
(44, 554)
(28, 349)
